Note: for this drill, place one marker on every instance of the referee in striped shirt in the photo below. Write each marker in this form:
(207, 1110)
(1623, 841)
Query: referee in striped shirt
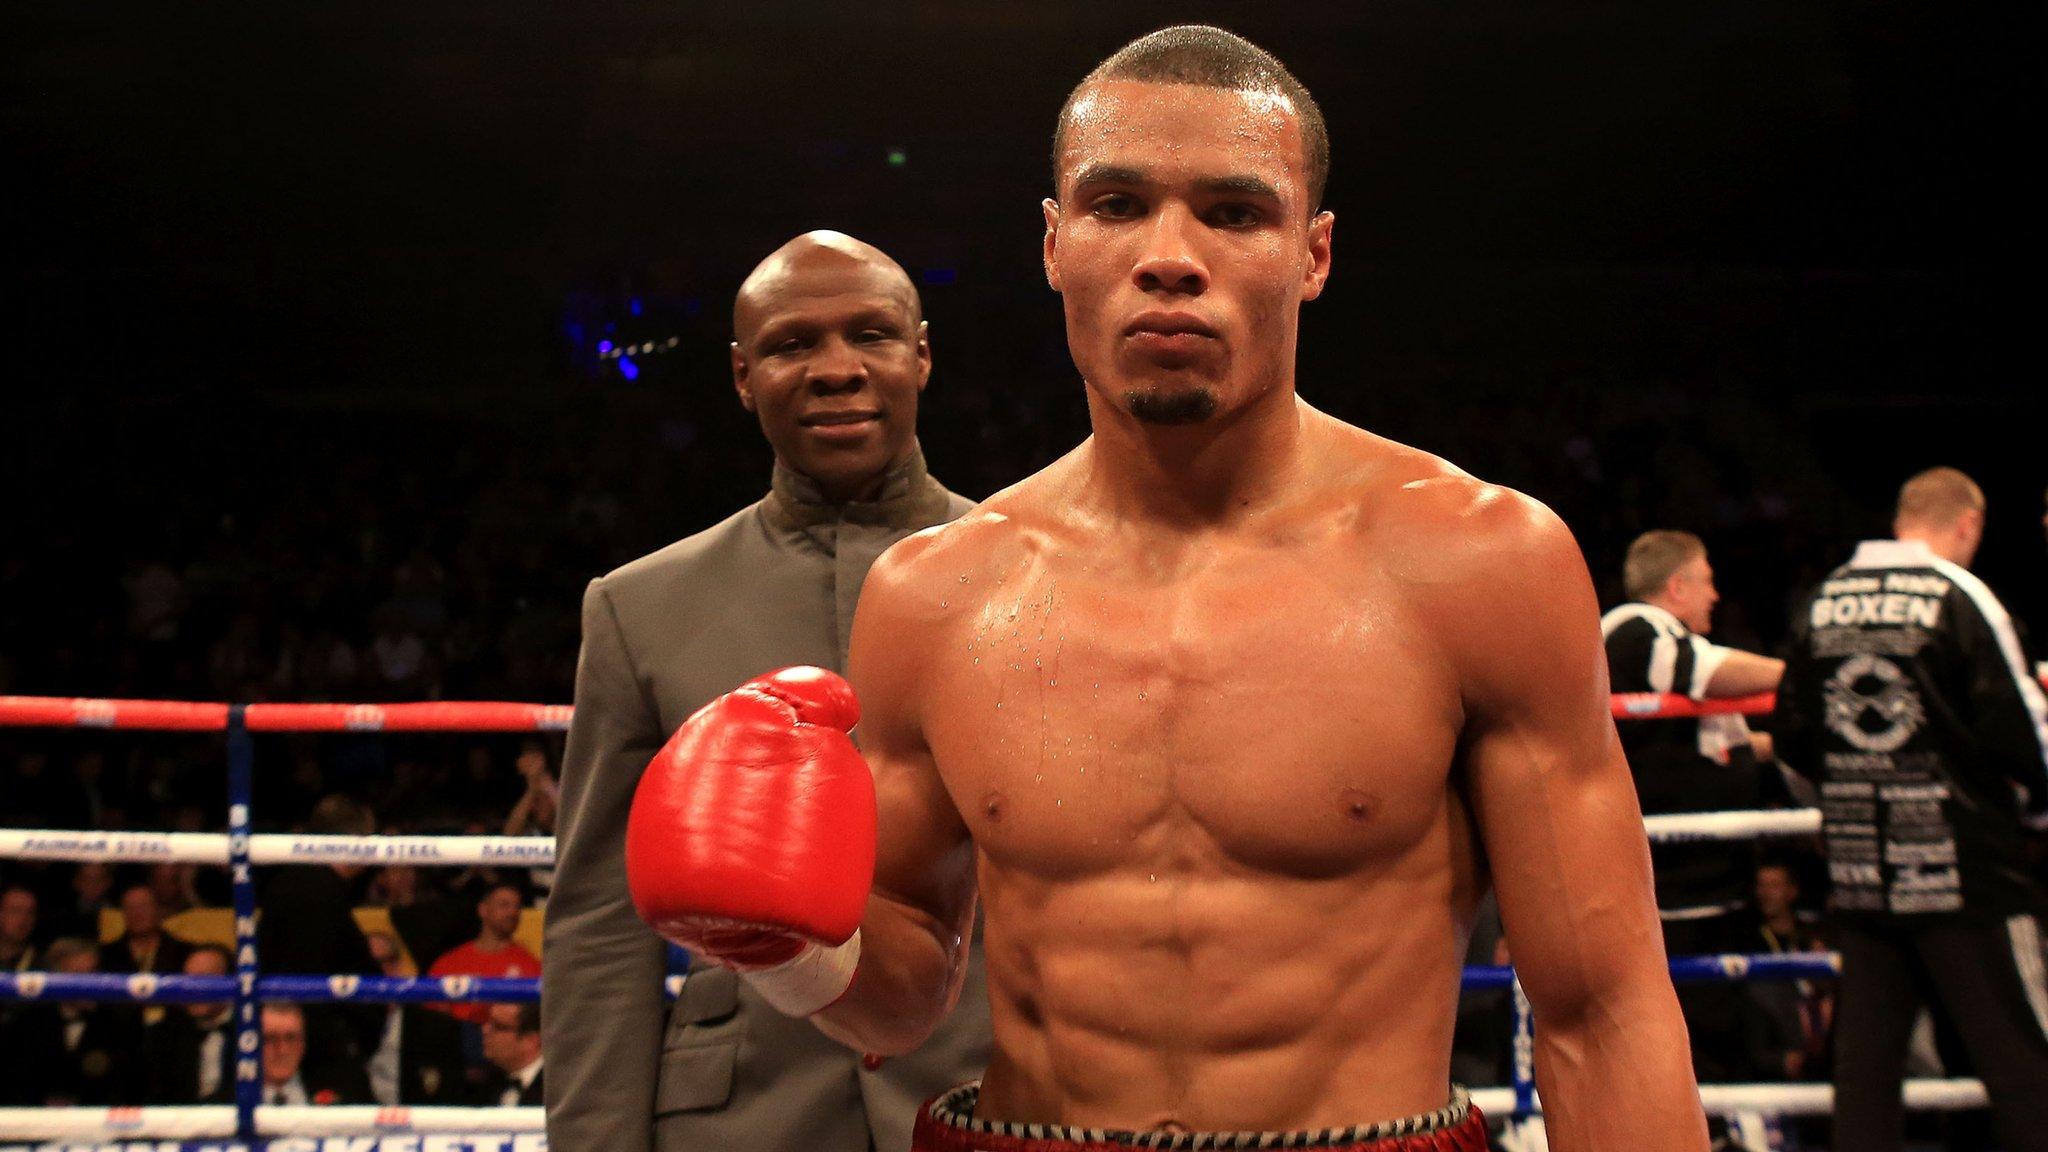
(1657, 643)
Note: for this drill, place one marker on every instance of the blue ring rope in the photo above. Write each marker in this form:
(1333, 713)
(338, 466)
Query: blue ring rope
(343, 987)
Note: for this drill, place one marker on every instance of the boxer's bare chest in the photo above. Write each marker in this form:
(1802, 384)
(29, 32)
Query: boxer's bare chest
(1279, 706)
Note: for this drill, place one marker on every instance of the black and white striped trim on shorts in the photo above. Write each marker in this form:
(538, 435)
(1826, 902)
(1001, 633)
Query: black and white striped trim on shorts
(955, 1109)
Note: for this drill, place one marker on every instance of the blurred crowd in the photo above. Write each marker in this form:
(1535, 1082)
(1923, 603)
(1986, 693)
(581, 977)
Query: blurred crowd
(396, 920)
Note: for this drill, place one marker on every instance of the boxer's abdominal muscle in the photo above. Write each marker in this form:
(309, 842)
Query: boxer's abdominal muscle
(1226, 878)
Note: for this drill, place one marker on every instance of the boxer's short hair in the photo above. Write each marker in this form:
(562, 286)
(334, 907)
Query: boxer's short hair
(1653, 557)
(1209, 57)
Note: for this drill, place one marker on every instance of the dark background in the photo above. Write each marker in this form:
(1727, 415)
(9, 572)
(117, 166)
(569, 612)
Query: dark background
(303, 302)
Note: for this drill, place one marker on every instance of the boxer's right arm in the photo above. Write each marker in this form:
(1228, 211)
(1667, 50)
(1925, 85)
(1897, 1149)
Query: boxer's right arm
(920, 915)
(1557, 812)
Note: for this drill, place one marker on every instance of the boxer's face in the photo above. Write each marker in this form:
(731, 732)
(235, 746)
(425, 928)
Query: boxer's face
(1182, 245)
(831, 357)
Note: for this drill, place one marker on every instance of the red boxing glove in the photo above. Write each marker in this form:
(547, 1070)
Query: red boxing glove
(752, 836)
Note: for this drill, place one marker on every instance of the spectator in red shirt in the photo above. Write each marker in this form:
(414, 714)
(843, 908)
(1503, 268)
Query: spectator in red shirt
(493, 952)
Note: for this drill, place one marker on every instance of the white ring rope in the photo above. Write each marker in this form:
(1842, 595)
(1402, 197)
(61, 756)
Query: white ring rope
(539, 851)
(277, 848)
(1785, 1099)
(1695, 826)
(358, 1119)
(217, 1121)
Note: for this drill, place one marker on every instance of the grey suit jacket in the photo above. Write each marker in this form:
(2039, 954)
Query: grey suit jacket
(771, 586)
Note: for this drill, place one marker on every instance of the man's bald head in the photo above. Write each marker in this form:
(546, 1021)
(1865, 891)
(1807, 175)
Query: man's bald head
(829, 352)
(826, 251)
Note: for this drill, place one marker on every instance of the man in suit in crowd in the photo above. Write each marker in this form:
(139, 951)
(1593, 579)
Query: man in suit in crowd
(74, 1052)
(512, 1045)
(75, 910)
(297, 1071)
(419, 1058)
(189, 1053)
(426, 918)
(830, 352)
(308, 927)
(144, 945)
(18, 952)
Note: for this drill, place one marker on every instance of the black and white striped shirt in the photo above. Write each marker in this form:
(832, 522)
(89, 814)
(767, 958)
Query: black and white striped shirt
(1684, 765)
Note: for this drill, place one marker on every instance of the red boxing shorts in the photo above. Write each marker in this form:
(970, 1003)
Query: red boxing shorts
(948, 1124)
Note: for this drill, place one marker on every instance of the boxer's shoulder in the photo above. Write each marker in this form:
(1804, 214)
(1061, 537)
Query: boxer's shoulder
(930, 559)
(1494, 572)
(1436, 525)
(989, 539)
(1483, 519)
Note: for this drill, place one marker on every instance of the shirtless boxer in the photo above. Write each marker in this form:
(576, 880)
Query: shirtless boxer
(1223, 716)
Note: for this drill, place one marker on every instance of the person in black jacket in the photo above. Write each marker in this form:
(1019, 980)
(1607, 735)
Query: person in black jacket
(1910, 695)
(296, 1071)
(144, 945)
(189, 1054)
(418, 1060)
(512, 1045)
(73, 1052)
(18, 951)
(307, 926)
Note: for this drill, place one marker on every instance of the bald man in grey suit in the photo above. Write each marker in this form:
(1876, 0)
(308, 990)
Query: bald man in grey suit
(830, 351)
